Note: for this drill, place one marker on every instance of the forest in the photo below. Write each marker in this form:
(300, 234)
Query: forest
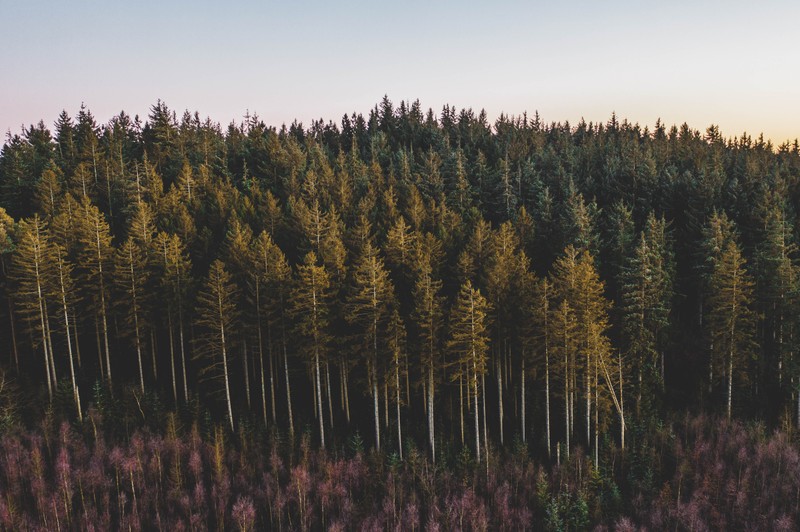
(402, 320)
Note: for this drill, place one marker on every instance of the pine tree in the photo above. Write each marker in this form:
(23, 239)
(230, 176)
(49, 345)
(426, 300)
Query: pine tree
(731, 321)
(368, 311)
(468, 346)
(273, 279)
(427, 316)
(173, 280)
(95, 259)
(217, 315)
(34, 280)
(396, 344)
(646, 304)
(65, 292)
(132, 277)
(309, 302)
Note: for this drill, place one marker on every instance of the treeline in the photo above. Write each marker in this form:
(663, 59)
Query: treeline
(553, 283)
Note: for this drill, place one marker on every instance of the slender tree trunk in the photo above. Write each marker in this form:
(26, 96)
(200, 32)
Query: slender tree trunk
(225, 362)
(522, 397)
(183, 354)
(429, 405)
(461, 405)
(154, 353)
(14, 350)
(75, 391)
(328, 386)
(588, 401)
(567, 394)
(288, 385)
(374, 369)
(172, 357)
(77, 340)
(475, 396)
(397, 401)
(386, 406)
(346, 392)
(50, 346)
(317, 385)
(485, 432)
(547, 397)
(134, 303)
(103, 307)
(246, 367)
(500, 395)
(261, 356)
(621, 405)
(99, 344)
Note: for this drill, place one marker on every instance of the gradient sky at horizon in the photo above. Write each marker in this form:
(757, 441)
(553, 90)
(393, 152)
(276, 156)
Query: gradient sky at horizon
(734, 63)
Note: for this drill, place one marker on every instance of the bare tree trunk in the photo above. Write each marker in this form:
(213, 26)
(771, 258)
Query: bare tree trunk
(397, 404)
(14, 349)
(431, 426)
(328, 386)
(522, 397)
(154, 353)
(547, 397)
(261, 357)
(319, 398)
(500, 395)
(99, 344)
(50, 346)
(374, 370)
(246, 366)
(288, 388)
(77, 340)
(225, 363)
(172, 357)
(567, 394)
(461, 405)
(386, 405)
(477, 423)
(485, 432)
(346, 393)
(75, 391)
(183, 355)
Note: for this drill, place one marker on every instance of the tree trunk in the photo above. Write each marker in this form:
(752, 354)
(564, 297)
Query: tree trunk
(477, 423)
(14, 349)
(288, 388)
(547, 397)
(246, 367)
(485, 432)
(397, 401)
(183, 355)
(75, 391)
(431, 426)
(225, 363)
(522, 397)
(173, 373)
(374, 370)
(261, 357)
(328, 386)
(346, 392)
(499, 395)
(319, 398)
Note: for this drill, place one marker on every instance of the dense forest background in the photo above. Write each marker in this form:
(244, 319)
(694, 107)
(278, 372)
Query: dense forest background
(431, 289)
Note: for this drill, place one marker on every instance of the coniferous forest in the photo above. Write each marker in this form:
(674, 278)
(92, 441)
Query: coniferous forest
(400, 320)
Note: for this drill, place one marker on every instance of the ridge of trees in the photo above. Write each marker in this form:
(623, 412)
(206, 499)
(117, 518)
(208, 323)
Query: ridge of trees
(550, 281)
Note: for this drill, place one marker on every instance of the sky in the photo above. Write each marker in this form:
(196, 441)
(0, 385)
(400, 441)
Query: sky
(734, 64)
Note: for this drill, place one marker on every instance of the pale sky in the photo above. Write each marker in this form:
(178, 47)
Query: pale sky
(735, 64)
